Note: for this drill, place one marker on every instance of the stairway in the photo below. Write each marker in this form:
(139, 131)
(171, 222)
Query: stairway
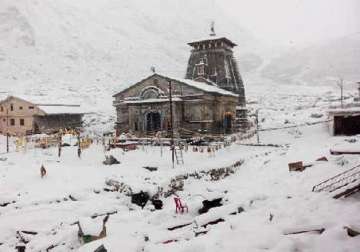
(342, 185)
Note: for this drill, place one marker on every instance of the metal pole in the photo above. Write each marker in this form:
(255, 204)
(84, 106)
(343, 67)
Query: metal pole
(171, 127)
(7, 130)
(342, 94)
(257, 126)
(7, 142)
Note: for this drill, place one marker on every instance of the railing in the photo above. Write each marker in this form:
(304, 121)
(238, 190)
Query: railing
(339, 181)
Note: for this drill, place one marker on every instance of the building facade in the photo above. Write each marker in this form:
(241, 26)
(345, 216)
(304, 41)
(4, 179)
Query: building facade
(198, 107)
(21, 117)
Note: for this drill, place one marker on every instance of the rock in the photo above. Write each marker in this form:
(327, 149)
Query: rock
(352, 232)
(316, 115)
(101, 249)
(140, 198)
(20, 248)
(351, 140)
(158, 204)
(322, 159)
(149, 168)
(207, 204)
(342, 161)
(110, 160)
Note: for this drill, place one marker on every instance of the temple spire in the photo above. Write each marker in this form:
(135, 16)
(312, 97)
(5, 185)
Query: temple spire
(212, 29)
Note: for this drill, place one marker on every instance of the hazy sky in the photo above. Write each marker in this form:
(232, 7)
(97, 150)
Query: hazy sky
(296, 22)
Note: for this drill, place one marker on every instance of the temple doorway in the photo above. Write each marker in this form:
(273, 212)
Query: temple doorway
(153, 122)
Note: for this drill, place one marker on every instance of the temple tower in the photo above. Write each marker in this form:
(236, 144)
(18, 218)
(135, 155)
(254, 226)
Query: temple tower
(212, 59)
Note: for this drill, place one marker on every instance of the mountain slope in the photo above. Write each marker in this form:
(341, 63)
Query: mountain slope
(316, 64)
(84, 51)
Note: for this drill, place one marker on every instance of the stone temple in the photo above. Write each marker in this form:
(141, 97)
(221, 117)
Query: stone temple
(210, 100)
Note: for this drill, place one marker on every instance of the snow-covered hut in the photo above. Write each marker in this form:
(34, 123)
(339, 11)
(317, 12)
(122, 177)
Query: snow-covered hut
(91, 229)
(344, 121)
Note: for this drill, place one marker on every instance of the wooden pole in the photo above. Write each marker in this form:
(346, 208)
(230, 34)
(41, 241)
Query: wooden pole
(7, 142)
(79, 148)
(171, 127)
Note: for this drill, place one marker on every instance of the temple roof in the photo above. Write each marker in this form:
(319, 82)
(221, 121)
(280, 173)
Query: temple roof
(212, 39)
(206, 86)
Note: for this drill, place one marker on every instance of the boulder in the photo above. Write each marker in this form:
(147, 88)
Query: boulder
(110, 160)
(140, 198)
(207, 204)
(158, 204)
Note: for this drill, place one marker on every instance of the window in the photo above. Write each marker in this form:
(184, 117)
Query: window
(201, 70)
(156, 81)
(22, 122)
(12, 107)
(20, 107)
(12, 122)
(31, 107)
(2, 109)
(150, 93)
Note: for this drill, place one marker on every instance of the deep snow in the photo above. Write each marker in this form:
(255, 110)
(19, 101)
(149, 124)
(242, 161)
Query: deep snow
(262, 185)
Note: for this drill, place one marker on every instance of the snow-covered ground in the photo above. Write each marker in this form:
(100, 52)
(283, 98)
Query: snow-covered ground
(85, 51)
(262, 186)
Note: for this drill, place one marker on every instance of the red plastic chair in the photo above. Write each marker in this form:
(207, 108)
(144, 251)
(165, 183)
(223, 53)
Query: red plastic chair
(180, 206)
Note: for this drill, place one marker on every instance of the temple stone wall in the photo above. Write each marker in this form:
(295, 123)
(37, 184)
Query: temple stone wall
(193, 110)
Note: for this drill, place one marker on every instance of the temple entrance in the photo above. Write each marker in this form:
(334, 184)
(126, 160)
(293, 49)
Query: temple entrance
(228, 122)
(153, 122)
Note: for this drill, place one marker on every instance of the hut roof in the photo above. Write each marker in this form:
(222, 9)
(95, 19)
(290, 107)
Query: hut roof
(44, 104)
(344, 111)
(91, 226)
(56, 109)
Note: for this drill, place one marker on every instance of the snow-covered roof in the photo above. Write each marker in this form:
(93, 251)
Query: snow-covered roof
(352, 110)
(36, 99)
(3, 96)
(207, 86)
(154, 100)
(212, 38)
(46, 105)
(53, 109)
(211, 87)
(91, 226)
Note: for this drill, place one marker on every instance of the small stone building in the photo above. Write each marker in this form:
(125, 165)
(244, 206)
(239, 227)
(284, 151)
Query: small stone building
(198, 107)
(21, 117)
(345, 121)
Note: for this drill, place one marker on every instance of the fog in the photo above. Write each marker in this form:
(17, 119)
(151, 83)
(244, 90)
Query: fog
(295, 22)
